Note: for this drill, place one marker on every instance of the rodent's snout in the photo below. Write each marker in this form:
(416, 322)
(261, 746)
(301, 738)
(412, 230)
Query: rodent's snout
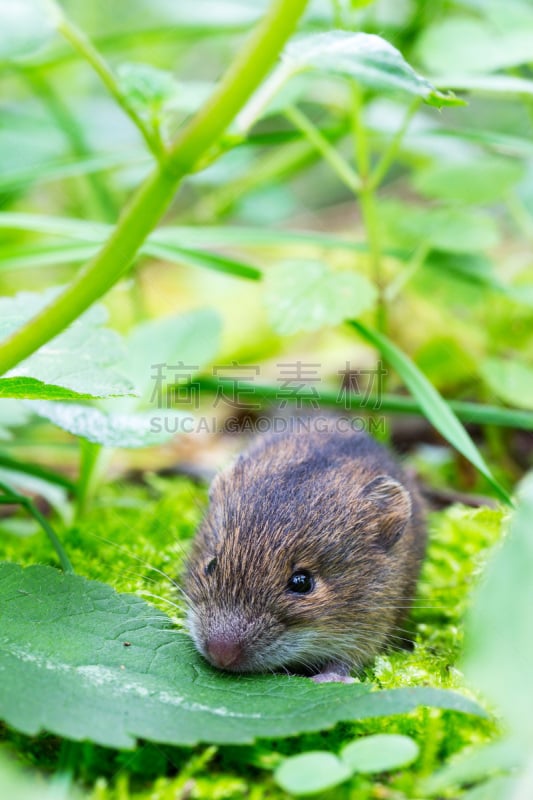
(224, 651)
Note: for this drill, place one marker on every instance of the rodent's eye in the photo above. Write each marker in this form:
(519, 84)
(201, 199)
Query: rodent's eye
(210, 566)
(301, 582)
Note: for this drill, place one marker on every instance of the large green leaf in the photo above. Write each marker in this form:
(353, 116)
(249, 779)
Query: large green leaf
(79, 660)
(364, 57)
(499, 640)
(80, 361)
(437, 411)
(306, 295)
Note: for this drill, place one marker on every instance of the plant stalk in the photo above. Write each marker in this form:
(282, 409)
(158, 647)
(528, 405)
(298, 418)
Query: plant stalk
(155, 194)
(19, 499)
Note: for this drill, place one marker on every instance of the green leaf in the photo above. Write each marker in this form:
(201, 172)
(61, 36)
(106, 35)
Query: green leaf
(17, 784)
(475, 765)
(499, 635)
(510, 380)
(306, 295)
(111, 429)
(365, 57)
(192, 339)
(485, 180)
(505, 86)
(183, 238)
(80, 360)
(401, 701)
(310, 773)
(202, 258)
(499, 788)
(442, 46)
(474, 268)
(146, 87)
(380, 753)
(433, 406)
(46, 256)
(26, 27)
(33, 389)
(452, 230)
(66, 669)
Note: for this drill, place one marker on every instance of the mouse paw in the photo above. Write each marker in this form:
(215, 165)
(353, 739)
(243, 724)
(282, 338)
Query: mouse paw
(333, 673)
(332, 677)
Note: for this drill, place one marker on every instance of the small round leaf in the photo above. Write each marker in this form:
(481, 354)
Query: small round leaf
(379, 753)
(310, 773)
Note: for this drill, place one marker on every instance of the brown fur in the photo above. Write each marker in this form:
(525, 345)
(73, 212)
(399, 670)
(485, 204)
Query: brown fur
(335, 504)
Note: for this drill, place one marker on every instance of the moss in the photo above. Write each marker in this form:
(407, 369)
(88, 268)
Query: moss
(135, 538)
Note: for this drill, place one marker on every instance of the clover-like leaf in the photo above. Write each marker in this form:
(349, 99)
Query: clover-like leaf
(82, 661)
(379, 753)
(306, 295)
(365, 57)
(79, 361)
(310, 773)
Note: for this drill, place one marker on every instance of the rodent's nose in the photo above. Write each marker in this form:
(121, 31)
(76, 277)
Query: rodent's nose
(224, 652)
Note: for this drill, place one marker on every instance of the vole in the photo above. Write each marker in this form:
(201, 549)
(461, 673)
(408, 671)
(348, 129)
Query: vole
(308, 557)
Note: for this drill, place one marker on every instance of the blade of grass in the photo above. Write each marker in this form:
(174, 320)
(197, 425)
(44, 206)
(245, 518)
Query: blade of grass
(12, 496)
(473, 413)
(434, 407)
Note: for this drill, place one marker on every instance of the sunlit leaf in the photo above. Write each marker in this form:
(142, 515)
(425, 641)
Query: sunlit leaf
(306, 295)
(111, 429)
(80, 361)
(367, 58)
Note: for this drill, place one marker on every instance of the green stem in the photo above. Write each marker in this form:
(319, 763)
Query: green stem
(14, 497)
(9, 462)
(330, 154)
(90, 454)
(155, 194)
(391, 403)
(391, 151)
(411, 268)
(83, 45)
(520, 214)
(74, 134)
(368, 206)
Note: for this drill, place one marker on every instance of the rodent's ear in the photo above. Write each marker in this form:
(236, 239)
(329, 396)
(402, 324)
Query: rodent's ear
(394, 505)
